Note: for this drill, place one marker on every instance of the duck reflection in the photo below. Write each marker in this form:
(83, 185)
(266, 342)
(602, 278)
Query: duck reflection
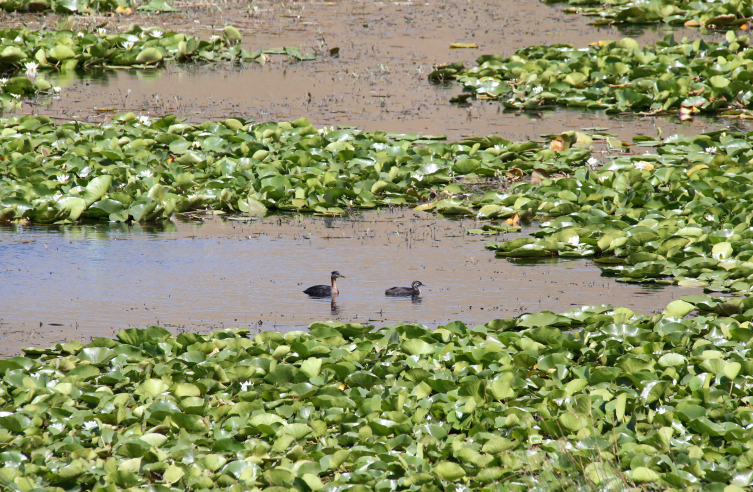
(333, 305)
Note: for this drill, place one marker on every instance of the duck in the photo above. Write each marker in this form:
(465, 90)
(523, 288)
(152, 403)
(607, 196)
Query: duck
(325, 290)
(413, 290)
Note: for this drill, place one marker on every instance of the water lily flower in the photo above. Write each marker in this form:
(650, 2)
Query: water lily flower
(711, 150)
(80, 34)
(90, 425)
(156, 33)
(144, 120)
(101, 31)
(575, 240)
(213, 38)
(145, 174)
(3, 81)
(18, 39)
(244, 386)
(59, 426)
(643, 165)
(538, 89)
(31, 68)
(17, 96)
(710, 218)
(128, 45)
(63, 178)
(56, 89)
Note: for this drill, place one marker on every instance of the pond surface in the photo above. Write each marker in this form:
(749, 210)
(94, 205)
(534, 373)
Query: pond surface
(378, 81)
(95, 280)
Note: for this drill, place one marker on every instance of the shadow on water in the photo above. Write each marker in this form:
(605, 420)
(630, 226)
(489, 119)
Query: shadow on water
(77, 282)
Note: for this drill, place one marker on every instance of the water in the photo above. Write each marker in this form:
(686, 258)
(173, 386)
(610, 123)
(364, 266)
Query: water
(84, 281)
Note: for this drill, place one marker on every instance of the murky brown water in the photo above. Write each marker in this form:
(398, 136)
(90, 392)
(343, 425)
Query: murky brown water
(378, 82)
(84, 281)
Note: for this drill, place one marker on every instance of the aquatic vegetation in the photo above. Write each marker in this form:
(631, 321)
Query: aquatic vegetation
(618, 77)
(715, 14)
(84, 6)
(597, 392)
(143, 170)
(40, 52)
(680, 215)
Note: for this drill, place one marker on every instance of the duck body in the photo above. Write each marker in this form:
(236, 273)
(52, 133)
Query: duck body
(319, 291)
(413, 290)
(325, 290)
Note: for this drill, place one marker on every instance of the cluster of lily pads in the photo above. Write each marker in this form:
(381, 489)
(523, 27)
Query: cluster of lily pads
(38, 52)
(84, 6)
(598, 394)
(718, 14)
(680, 215)
(140, 169)
(618, 77)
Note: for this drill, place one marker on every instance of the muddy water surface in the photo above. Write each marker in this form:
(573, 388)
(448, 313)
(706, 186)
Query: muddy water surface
(78, 282)
(377, 81)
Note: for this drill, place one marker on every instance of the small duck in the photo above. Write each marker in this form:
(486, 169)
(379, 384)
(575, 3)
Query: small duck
(413, 290)
(325, 290)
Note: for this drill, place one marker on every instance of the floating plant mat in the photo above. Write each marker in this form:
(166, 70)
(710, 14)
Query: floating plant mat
(43, 51)
(144, 170)
(708, 13)
(84, 6)
(682, 215)
(594, 396)
(618, 77)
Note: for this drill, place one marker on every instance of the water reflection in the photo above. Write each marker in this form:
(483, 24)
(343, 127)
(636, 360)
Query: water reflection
(333, 306)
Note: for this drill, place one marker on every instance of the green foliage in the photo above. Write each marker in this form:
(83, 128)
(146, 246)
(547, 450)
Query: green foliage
(716, 14)
(618, 77)
(136, 48)
(605, 401)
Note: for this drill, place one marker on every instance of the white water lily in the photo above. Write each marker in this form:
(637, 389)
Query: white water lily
(56, 90)
(214, 38)
(642, 165)
(144, 120)
(710, 218)
(80, 34)
(145, 174)
(17, 96)
(18, 39)
(63, 178)
(3, 81)
(101, 31)
(593, 161)
(575, 240)
(538, 90)
(31, 68)
(58, 426)
(90, 425)
(711, 150)
(156, 33)
(244, 386)
(128, 45)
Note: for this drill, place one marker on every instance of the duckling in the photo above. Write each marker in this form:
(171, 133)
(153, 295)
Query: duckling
(413, 290)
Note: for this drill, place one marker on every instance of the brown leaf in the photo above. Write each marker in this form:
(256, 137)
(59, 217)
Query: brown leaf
(539, 175)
